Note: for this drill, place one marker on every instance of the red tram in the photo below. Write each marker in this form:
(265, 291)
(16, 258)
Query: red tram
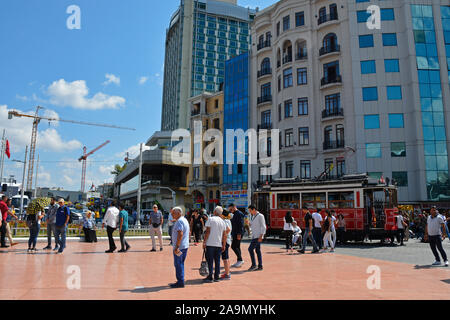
(369, 207)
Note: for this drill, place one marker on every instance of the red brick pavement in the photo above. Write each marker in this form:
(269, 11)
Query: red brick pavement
(140, 274)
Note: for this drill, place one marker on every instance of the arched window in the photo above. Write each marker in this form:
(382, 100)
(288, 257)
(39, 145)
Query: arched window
(265, 64)
(330, 42)
(340, 135)
(301, 50)
(328, 134)
(287, 52)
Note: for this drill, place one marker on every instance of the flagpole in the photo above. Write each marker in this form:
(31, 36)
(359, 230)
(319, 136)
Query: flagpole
(3, 156)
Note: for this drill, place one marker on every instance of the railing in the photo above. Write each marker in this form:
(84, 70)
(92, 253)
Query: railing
(329, 49)
(328, 80)
(327, 17)
(267, 126)
(267, 98)
(330, 145)
(287, 59)
(195, 112)
(264, 72)
(301, 56)
(336, 112)
(263, 44)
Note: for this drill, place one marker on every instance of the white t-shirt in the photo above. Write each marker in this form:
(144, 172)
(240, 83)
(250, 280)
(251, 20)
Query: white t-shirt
(317, 219)
(287, 226)
(228, 223)
(400, 221)
(333, 224)
(217, 227)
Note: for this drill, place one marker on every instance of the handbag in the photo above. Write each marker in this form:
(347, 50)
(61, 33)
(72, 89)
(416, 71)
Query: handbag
(204, 266)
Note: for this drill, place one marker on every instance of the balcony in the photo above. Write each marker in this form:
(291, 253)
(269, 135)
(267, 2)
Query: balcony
(331, 145)
(195, 112)
(264, 99)
(301, 56)
(213, 180)
(287, 58)
(329, 113)
(331, 80)
(330, 49)
(326, 18)
(264, 44)
(267, 126)
(264, 72)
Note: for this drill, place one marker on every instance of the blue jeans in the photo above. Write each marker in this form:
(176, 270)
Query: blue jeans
(34, 232)
(307, 236)
(255, 246)
(60, 234)
(178, 262)
(213, 256)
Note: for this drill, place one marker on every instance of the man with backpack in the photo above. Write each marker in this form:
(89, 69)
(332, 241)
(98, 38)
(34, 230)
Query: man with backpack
(61, 222)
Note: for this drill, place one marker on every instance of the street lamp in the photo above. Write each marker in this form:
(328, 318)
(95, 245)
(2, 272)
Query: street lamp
(23, 179)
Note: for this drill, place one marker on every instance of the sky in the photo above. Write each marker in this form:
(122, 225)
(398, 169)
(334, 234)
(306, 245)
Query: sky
(108, 71)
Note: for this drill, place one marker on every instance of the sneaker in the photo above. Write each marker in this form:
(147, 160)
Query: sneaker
(122, 250)
(316, 251)
(208, 280)
(216, 280)
(47, 248)
(56, 248)
(446, 263)
(436, 263)
(177, 285)
(252, 268)
(107, 251)
(260, 268)
(153, 250)
(60, 251)
(239, 264)
(332, 250)
(225, 277)
(128, 248)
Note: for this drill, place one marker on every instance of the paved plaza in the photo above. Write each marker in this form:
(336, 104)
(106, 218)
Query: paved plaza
(140, 274)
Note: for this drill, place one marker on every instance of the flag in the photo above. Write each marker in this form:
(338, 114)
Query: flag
(7, 152)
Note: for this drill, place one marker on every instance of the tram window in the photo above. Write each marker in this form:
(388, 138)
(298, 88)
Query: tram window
(341, 200)
(289, 201)
(314, 200)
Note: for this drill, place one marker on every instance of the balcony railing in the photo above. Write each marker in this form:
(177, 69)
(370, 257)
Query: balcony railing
(267, 98)
(264, 72)
(195, 112)
(329, 80)
(325, 50)
(263, 44)
(330, 145)
(267, 126)
(337, 112)
(287, 58)
(326, 18)
(301, 56)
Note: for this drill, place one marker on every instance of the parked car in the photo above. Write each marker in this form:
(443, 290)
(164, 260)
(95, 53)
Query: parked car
(76, 216)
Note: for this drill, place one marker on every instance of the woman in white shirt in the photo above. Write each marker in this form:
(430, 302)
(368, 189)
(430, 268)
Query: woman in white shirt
(288, 230)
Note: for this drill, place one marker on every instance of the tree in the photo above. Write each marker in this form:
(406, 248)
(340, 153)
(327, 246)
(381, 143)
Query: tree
(118, 169)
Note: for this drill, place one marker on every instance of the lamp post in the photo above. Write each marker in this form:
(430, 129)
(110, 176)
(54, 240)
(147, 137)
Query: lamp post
(23, 179)
(139, 192)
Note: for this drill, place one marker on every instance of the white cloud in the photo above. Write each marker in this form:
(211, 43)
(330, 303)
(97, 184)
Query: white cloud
(143, 80)
(110, 78)
(74, 94)
(18, 131)
(44, 177)
(106, 169)
(68, 180)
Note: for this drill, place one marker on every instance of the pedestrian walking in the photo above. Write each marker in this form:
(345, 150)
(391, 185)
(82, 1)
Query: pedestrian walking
(317, 231)
(215, 243)
(434, 231)
(156, 221)
(258, 229)
(401, 225)
(237, 233)
(123, 228)
(51, 220)
(197, 226)
(288, 230)
(308, 232)
(89, 227)
(327, 238)
(4, 211)
(225, 254)
(61, 223)
(11, 215)
(111, 219)
(180, 236)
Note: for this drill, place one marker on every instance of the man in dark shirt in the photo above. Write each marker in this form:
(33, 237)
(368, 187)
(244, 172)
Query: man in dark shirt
(237, 230)
(4, 214)
(309, 224)
(62, 220)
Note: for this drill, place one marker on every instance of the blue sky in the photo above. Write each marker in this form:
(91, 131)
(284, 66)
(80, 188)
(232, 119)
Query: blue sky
(109, 71)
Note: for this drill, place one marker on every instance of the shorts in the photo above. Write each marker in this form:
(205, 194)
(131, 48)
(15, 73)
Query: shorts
(225, 255)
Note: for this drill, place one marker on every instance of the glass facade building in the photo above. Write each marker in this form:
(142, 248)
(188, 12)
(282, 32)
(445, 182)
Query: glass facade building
(236, 116)
(432, 108)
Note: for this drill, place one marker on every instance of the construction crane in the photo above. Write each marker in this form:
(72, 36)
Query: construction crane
(83, 158)
(36, 119)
